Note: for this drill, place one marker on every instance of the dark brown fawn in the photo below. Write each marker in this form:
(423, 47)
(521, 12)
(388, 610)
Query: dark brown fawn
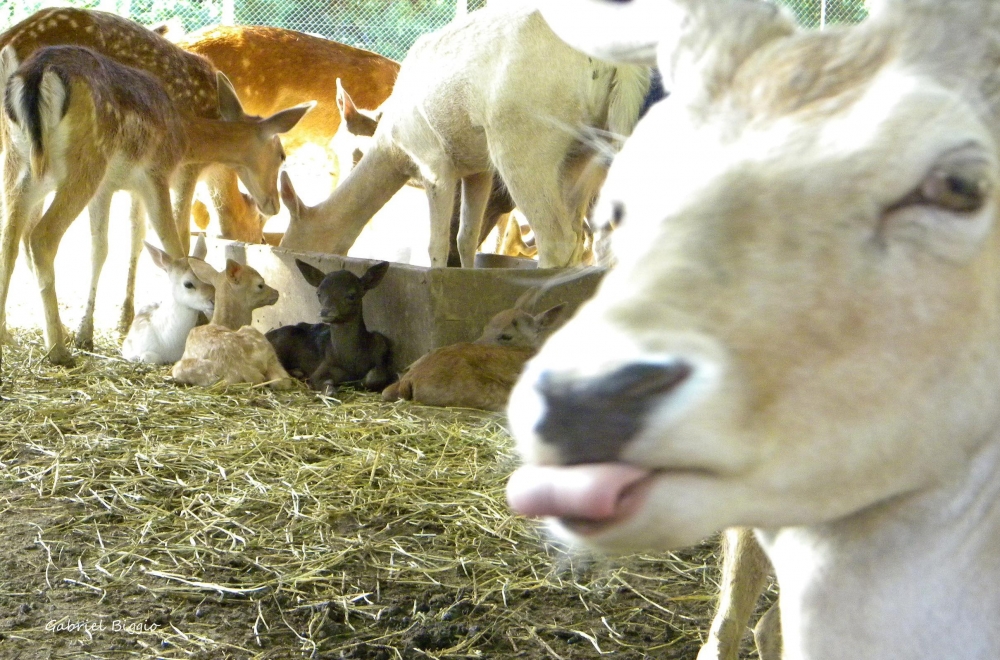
(340, 349)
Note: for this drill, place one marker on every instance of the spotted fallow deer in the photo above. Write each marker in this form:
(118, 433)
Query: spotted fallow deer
(191, 82)
(84, 126)
(801, 332)
(494, 92)
(246, 54)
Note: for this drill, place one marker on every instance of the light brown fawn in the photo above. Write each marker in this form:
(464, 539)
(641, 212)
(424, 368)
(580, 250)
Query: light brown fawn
(84, 126)
(228, 349)
(192, 84)
(482, 373)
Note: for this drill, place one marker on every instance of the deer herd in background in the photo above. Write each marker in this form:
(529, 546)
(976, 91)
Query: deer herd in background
(95, 103)
(814, 361)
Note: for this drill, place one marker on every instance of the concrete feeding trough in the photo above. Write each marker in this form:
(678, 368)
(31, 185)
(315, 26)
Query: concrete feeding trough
(417, 308)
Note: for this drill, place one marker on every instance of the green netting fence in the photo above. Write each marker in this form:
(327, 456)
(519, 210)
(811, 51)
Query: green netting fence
(388, 27)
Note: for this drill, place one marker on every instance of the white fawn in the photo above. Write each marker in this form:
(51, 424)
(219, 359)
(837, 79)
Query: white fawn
(227, 349)
(84, 126)
(158, 333)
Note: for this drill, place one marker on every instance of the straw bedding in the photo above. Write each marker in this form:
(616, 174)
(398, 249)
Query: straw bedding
(144, 519)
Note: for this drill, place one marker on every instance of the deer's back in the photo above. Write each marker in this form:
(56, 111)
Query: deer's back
(189, 79)
(246, 52)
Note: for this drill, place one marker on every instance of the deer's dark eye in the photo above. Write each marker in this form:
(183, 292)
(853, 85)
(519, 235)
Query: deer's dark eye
(959, 184)
(962, 190)
(189, 285)
(617, 214)
(506, 337)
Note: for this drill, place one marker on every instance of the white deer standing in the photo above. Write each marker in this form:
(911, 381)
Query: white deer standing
(498, 92)
(801, 332)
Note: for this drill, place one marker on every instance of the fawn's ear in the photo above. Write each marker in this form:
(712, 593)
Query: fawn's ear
(200, 250)
(374, 275)
(160, 258)
(289, 198)
(549, 318)
(312, 274)
(203, 271)
(234, 271)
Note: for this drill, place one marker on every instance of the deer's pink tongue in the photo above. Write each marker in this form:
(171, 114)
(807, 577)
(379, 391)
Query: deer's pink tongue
(594, 492)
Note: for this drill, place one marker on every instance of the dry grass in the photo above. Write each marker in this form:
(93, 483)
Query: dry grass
(250, 524)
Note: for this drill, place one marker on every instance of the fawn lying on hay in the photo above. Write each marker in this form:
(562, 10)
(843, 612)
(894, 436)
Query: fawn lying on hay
(340, 349)
(800, 333)
(228, 349)
(482, 373)
(494, 92)
(158, 333)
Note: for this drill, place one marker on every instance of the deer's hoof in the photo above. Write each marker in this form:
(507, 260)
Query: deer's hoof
(61, 356)
(85, 339)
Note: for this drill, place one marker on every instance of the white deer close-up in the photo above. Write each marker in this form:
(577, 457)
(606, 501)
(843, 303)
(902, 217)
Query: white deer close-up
(802, 331)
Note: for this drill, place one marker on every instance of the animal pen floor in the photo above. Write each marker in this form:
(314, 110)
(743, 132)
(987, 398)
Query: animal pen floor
(142, 519)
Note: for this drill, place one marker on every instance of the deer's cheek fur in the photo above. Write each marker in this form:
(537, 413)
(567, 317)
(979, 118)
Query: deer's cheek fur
(824, 328)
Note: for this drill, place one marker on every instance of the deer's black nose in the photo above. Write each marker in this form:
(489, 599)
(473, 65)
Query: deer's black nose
(591, 420)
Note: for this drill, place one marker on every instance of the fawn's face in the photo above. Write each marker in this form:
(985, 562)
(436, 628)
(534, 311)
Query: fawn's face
(190, 291)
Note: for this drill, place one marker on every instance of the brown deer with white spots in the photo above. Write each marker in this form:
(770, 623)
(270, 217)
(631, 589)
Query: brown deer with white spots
(191, 83)
(84, 126)
(801, 331)
(250, 56)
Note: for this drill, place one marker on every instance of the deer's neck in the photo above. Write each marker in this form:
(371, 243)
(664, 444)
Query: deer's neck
(340, 218)
(216, 140)
(174, 319)
(916, 578)
(348, 336)
(230, 312)
(172, 323)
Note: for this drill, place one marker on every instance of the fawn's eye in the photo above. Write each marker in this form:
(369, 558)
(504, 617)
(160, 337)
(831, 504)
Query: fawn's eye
(506, 337)
(189, 285)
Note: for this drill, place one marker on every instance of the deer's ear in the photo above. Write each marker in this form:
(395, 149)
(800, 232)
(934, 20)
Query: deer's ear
(234, 271)
(200, 250)
(312, 274)
(374, 275)
(229, 103)
(203, 271)
(549, 318)
(160, 258)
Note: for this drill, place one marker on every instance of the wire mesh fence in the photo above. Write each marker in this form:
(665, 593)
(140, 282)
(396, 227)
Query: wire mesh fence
(388, 27)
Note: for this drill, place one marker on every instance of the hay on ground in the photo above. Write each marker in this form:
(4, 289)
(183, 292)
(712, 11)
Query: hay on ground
(240, 522)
